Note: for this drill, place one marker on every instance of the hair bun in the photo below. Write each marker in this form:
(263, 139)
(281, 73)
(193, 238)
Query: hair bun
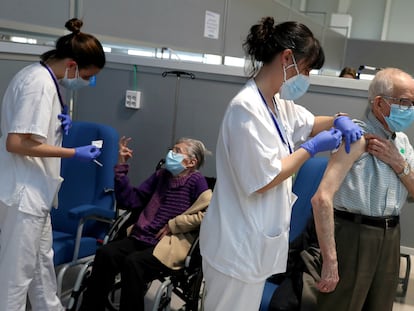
(268, 22)
(74, 25)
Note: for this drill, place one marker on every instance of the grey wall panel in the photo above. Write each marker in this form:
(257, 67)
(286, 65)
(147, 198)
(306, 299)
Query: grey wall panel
(367, 18)
(177, 24)
(242, 14)
(334, 45)
(379, 54)
(48, 13)
(401, 21)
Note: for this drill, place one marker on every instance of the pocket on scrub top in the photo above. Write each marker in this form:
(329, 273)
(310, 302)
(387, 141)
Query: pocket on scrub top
(38, 196)
(274, 252)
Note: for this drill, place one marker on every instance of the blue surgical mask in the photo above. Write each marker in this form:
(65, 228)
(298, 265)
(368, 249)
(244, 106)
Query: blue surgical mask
(74, 83)
(400, 119)
(173, 163)
(294, 87)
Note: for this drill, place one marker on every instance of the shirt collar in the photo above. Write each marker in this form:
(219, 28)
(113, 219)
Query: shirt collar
(379, 127)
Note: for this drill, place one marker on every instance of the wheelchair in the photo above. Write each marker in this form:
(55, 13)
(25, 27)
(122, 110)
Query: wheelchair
(186, 283)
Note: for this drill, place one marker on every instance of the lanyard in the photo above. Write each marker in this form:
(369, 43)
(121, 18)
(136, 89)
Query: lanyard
(56, 83)
(275, 121)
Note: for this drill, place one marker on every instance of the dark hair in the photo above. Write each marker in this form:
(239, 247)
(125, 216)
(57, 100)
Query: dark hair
(348, 71)
(83, 48)
(266, 40)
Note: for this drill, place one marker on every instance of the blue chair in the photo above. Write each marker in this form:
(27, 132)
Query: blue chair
(305, 185)
(86, 198)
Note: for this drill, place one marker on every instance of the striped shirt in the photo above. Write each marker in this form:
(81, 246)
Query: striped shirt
(371, 187)
(161, 197)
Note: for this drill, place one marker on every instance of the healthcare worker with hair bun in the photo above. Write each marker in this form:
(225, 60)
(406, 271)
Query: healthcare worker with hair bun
(262, 142)
(34, 119)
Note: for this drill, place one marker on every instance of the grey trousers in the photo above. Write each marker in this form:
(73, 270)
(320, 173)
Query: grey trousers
(368, 263)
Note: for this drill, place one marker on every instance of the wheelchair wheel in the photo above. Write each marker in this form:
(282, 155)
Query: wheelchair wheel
(80, 286)
(114, 295)
(194, 297)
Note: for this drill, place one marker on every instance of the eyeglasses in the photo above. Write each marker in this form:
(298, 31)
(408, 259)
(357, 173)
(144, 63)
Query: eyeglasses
(404, 103)
(178, 150)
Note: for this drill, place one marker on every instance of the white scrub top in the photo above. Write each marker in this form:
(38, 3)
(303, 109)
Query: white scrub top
(245, 234)
(30, 106)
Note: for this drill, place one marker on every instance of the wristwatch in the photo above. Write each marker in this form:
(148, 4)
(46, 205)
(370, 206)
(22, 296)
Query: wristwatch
(406, 171)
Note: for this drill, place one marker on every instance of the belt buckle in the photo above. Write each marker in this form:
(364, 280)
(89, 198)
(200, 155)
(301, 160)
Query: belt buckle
(388, 221)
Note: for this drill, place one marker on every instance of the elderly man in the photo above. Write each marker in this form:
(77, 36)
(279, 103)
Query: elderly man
(357, 205)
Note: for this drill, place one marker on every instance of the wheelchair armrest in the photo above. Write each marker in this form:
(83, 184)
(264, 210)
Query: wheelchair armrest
(89, 210)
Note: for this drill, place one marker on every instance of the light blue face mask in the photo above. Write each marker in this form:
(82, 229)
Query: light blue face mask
(173, 163)
(400, 119)
(294, 87)
(74, 83)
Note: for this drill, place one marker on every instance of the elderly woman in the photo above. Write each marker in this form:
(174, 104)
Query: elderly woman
(171, 204)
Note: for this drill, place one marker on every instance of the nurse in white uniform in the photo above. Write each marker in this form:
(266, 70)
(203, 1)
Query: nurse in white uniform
(33, 120)
(244, 234)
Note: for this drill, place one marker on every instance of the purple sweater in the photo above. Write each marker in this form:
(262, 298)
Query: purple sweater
(161, 197)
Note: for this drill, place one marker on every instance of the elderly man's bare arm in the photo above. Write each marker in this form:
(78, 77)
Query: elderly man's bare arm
(322, 204)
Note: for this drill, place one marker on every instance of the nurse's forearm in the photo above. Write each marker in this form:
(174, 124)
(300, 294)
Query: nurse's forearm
(23, 144)
(290, 165)
(321, 123)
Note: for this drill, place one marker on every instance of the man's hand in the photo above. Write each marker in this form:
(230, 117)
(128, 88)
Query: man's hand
(383, 149)
(329, 277)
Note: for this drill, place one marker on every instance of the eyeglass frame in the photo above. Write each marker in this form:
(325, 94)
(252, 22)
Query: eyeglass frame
(400, 101)
(179, 151)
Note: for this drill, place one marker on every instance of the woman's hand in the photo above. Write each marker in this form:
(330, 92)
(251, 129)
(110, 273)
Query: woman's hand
(124, 153)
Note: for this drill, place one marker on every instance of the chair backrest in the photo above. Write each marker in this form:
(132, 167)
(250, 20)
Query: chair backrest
(86, 182)
(305, 185)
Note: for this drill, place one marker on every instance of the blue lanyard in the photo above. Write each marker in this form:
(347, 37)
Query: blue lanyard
(56, 83)
(275, 121)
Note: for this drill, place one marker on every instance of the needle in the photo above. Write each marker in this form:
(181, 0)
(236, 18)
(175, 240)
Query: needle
(97, 162)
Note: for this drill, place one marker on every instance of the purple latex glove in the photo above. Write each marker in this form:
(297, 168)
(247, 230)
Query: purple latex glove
(350, 131)
(65, 119)
(87, 153)
(324, 141)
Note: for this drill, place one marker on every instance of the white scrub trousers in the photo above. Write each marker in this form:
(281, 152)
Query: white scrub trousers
(26, 262)
(224, 293)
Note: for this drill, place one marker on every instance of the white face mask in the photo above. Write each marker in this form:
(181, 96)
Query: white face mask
(74, 83)
(296, 86)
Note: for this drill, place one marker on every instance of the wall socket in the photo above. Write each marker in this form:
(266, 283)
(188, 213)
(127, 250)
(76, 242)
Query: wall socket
(133, 99)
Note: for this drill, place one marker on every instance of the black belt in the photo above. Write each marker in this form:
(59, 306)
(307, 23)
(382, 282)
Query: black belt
(381, 221)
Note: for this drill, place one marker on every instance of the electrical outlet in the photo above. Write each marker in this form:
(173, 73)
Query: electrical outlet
(133, 99)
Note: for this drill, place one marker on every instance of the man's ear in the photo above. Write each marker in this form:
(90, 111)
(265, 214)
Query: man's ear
(377, 103)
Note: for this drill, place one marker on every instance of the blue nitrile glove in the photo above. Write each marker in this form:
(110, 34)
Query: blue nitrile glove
(351, 131)
(64, 117)
(324, 141)
(87, 153)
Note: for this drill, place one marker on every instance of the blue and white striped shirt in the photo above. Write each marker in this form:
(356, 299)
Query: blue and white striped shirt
(371, 187)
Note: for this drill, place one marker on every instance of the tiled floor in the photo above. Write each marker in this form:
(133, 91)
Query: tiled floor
(406, 304)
